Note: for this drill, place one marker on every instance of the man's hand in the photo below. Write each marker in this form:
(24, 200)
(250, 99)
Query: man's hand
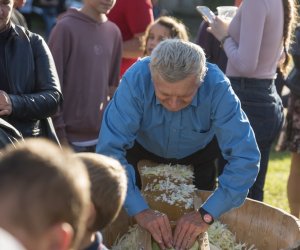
(158, 225)
(5, 104)
(188, 228)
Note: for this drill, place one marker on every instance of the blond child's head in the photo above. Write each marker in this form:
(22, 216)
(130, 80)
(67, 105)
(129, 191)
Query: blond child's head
(164, 27)
(108, 188)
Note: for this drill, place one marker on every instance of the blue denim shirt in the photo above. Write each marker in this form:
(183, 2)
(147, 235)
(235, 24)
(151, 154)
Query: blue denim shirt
(134, 113)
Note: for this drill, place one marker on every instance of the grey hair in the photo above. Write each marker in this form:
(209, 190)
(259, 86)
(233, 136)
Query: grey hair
(175, 59)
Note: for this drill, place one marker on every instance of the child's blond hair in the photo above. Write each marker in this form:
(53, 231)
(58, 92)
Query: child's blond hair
(176, 27)
(108, 187)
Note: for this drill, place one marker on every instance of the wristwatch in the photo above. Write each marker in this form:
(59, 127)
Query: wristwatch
(206, 217)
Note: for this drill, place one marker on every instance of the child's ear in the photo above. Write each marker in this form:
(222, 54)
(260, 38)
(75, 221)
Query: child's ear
(59, 237)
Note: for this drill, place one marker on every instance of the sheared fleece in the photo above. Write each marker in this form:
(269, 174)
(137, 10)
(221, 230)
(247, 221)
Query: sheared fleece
(87, 55)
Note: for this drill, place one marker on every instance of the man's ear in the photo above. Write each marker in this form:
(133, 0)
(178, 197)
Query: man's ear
(60, 236)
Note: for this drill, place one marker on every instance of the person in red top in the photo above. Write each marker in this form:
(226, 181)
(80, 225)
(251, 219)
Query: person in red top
(132, 17)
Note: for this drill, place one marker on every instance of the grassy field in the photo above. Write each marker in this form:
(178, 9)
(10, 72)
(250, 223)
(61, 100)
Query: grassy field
(276, 181)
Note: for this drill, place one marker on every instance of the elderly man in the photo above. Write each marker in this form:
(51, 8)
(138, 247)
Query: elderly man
(171, 107)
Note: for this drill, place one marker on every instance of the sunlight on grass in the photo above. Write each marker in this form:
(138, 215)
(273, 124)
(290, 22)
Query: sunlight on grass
(276, 181)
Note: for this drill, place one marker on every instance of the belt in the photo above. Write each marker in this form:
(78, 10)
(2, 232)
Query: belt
(252, 81)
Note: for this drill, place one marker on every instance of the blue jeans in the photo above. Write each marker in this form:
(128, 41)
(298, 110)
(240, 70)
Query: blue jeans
(263, 107)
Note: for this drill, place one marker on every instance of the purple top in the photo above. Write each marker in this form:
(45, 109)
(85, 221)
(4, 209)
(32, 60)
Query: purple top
(255, 45)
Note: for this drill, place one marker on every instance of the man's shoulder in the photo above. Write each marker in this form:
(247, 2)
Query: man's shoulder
(26, 36)
(138, 76)
(139, 68)
(215, 75)
(23, 32)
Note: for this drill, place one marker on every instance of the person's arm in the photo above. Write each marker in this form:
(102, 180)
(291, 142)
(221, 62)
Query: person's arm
(46, 96)
(245, 55)
(121, 121)
(132, 48)
(238, 146)
(138, 18)
(120, 124)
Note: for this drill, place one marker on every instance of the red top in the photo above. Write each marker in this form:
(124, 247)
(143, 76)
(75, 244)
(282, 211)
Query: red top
(132, 17)
(237, 2)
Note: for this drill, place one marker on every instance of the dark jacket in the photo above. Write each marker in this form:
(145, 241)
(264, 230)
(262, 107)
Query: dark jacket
(34, 88)
(211, 46)
(8, 134)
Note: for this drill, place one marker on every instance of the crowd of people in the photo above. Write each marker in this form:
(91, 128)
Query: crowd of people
(113, 83)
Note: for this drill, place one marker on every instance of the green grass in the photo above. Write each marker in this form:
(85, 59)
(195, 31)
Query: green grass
(276, 180)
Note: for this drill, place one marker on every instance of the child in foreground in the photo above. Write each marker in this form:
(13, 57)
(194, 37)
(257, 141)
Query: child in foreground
(45, 193)
(108, 190)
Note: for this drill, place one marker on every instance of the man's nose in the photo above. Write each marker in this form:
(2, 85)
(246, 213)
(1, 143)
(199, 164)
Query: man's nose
(174, 102)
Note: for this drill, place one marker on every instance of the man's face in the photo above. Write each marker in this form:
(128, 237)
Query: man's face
(6, 7)
(177, 95)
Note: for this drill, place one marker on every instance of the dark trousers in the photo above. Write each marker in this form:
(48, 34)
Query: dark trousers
(262, 104)
(203, 161)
